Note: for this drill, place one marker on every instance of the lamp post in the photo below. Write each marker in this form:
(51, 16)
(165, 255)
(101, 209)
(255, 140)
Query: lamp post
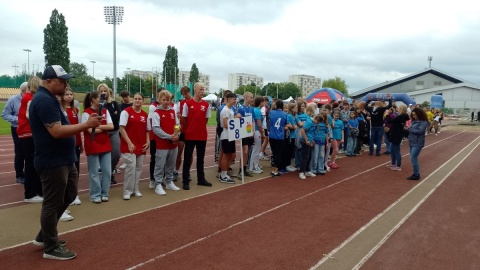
(28, 59)
(128, 80)
(114, 15)
(15, 66)
(93, 76)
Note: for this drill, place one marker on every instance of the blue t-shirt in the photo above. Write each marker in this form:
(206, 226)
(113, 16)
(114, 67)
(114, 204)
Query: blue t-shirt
(291, 121)
(352, 123)
(310, 128)
(49, 152)
(301, 117)
(323, 130)
(245, 111)
(257, 115)
(278, 120)
(338, 129)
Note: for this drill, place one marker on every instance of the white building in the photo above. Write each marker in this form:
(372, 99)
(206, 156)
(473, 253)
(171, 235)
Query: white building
(184, 76)
(422, 85)
(235, 80)
(306, 83)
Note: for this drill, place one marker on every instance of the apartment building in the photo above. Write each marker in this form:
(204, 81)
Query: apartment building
(306, 83)
(235, 80)
(184, 76)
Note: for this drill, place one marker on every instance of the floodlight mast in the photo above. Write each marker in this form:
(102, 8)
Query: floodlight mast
(114, 15)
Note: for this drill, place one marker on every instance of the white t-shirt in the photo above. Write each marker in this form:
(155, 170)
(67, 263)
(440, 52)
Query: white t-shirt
(226, 113)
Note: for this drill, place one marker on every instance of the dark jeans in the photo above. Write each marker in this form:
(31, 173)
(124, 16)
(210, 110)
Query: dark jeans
(396, 155)
(19, 161)
(153, 150)
(32, 185)
(190, 145)
(288, 148)
(60, 186)
(306, 155)
(77, 164)
(376, 135)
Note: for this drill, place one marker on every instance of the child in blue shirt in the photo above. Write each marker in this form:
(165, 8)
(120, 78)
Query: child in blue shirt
(308, 132)
(318, 151)
(352, 133)
(337, 135)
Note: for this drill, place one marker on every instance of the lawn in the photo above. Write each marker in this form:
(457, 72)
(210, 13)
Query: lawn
(5, 126)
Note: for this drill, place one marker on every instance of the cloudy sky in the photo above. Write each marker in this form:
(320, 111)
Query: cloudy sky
(363, 42)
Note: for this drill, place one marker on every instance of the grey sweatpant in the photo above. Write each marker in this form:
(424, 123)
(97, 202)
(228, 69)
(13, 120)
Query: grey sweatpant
(164, 165)
(133, 170)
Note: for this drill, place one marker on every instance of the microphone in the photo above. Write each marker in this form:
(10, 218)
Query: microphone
(100, 109)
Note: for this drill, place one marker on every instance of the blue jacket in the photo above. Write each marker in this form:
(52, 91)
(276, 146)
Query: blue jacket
(416, 133)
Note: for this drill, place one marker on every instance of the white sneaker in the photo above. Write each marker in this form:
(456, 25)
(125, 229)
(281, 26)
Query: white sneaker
(66, 217)
(302, 176)
(171, 186)
(151, 185)
(126, 197)
(256, 171)
(137, 194)
(76, 201)
(291, 168)
(310, 174)
(104, 199)
(159, 190)
(36, 199)
(123, 166)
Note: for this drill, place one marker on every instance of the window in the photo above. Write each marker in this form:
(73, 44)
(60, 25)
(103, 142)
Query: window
(420, 83)
(437, 83)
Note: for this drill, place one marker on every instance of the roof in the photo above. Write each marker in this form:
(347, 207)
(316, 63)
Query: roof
(443, 88)
(387, 84)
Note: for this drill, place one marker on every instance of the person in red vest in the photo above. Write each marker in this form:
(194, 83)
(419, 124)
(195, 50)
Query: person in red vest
(185, 91)
(134, 143)
(99, 150)
(165, 129)
(151, 109)
(195, 116)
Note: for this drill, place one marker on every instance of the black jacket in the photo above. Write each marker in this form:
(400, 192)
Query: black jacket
(397, 129)
(377, 114)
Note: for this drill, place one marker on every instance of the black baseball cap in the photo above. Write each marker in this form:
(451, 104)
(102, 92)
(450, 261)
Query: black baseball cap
(56, 71)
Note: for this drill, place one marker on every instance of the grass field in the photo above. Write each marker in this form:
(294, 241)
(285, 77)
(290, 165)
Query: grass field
(5, 126)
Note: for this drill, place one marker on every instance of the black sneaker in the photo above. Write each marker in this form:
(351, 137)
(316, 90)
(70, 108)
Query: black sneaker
(204, 183)
(40, 244)
(60, 253)
(414, 177)
(186, 187)
(227, 180)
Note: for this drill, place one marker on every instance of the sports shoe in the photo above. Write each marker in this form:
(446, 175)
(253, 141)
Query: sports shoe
(116, 171)
(104, 199)
(171, 186)
(274, 174)
(40, 244)
(36, 199)
(65, 217)
(414, 177)
(151, 185)
(396, 168)
(227, 180)
(60, 253)
(97, 200)
(126, 197)
(259, 167)
(302, 176)
(159, 190)
(255, 171)
(137, 194)
(291, 168)
(389, 166)
(204, 183)
(230, 173)
(20, 180)
(76, 201)
(310, 174)
(327, 169)
(123, 166)
(264, 157)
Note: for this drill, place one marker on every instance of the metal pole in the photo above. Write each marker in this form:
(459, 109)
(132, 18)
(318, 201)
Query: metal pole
(114, 52)
(93, 69)
(15, 66)
(28, 59)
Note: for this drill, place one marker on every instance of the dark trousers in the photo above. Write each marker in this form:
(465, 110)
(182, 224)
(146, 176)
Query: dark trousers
(77, 164)
(32, 185)
(19, 161)
(287, 150)
(276, 147)
(306, 156)
(190, 145)
(60, 187)
(153, 150)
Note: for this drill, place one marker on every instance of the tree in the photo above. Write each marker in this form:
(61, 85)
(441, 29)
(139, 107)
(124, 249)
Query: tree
(194, 74)
(170, 66)
(55, 42)
(285, 90)
(78, 69)
(336, 83)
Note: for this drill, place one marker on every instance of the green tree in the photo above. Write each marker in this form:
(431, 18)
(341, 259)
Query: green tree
(194, 74)
(170, 66)
(336, 83)
(252, 88)
(285, 90)
(55, 41)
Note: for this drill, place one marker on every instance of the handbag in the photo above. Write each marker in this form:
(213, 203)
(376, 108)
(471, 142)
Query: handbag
(354, 132)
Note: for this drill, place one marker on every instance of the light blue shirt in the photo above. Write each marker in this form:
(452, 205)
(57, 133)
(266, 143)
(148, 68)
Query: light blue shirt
(10, 112)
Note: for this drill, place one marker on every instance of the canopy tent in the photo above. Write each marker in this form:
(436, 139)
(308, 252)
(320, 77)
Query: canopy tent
(288, 99)
(211, 97)
(325, 95)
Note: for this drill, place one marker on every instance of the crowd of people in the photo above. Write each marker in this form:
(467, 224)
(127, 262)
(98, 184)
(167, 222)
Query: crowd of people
(304, 137)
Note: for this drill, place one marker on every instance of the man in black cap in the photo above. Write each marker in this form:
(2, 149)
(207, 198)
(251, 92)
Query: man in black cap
(54, 158)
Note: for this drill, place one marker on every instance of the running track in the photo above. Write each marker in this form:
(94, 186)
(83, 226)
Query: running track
(362, 215)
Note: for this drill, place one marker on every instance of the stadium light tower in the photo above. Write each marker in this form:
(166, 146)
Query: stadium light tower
(93, 76)
(114, 15)
(28, 59)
